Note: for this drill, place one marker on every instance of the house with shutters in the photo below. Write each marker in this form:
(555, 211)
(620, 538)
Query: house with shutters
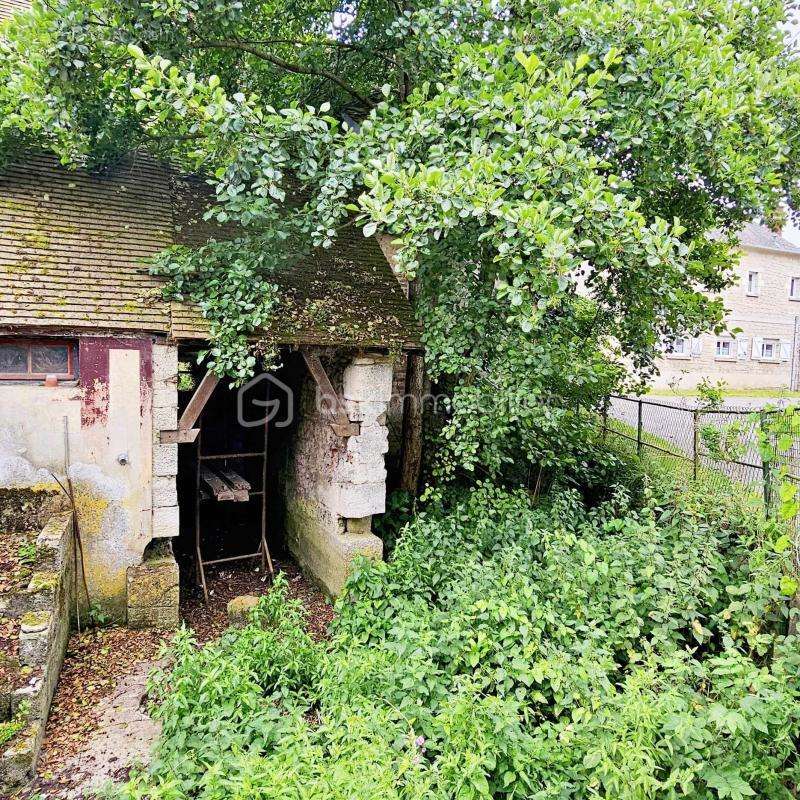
(760, 347)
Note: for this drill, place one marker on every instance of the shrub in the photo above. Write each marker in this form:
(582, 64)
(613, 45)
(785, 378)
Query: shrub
(509, 650)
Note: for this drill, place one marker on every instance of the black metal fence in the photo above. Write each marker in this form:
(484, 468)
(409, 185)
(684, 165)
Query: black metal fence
(715, 444)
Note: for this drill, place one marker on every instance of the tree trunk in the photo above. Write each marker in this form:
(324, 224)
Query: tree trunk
(411, 453)
(411, 445)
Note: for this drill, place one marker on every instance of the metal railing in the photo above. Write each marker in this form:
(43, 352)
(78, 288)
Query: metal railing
(718, 444)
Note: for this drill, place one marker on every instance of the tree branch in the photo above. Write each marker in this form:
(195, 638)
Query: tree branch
(299, 69)
(359, 48)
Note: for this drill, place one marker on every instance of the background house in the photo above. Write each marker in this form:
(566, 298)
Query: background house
(765, 306)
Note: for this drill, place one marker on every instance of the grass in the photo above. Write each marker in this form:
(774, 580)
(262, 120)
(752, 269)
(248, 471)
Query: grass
(674, 466)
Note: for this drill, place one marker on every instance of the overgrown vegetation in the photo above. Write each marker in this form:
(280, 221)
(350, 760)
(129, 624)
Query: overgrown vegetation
(11, 727)
(510, 650)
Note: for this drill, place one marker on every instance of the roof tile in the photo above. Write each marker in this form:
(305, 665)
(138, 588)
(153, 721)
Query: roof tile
(73, 246)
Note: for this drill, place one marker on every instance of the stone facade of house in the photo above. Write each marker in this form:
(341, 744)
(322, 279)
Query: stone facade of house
(764, 306)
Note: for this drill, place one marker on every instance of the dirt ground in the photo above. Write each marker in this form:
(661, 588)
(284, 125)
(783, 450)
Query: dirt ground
(17, 556)
(98, 723)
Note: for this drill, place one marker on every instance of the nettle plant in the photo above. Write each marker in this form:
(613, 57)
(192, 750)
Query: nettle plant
(549, 172)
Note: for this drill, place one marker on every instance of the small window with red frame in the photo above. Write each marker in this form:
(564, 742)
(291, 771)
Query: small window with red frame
(36, 359)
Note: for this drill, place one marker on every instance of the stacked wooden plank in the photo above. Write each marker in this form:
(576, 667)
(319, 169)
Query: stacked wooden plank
(225, 484)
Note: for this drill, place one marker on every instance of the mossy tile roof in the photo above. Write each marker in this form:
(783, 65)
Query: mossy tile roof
(74, 245)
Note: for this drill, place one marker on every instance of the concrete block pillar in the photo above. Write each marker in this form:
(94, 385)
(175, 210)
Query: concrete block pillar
(153, 591)
(152, 586)
(335, 485)
(165, 456)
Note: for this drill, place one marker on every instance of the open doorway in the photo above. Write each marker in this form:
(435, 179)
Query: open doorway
(231, 478)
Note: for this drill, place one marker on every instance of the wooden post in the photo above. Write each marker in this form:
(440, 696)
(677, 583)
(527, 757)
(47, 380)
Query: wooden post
(411, 447)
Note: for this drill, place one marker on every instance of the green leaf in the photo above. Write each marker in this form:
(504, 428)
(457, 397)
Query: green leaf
(788, 585)
(728, 783)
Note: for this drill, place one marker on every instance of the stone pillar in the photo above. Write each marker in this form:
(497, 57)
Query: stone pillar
(336, 484)
(152, 585)
(165, 456)
(153, 590)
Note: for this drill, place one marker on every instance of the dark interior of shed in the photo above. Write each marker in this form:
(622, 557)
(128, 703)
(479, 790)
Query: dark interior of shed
(230, 480)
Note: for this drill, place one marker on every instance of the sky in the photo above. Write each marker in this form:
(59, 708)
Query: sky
(792, 233)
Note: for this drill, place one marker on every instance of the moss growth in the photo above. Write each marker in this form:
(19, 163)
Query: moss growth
(43, 582)
(35, 238)
(7, 204)
(90, 510)
(23, 510)
(35, 619)
(8, 730)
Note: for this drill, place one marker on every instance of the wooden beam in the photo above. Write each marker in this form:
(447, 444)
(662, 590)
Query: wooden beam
(186, 432)
(178, 436)
(241, 487)
(218, 486)
(198, 402)
(340, 423)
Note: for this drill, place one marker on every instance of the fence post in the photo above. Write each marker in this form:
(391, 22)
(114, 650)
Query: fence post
(606, 403)
(639, 428)
(695, 441)
(766, 469)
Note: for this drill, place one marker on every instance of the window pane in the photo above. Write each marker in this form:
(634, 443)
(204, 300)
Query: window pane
(50, 359)
(13, 358)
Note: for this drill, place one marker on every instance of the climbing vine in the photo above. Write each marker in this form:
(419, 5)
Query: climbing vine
(229, 283)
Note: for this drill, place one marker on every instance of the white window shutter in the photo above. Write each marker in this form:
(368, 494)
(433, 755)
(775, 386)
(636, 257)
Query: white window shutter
(757, 340)
(786, 350)
(741, 348)
(697, 346)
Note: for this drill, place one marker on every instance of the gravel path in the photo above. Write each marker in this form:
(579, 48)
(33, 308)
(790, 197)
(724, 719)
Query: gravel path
(125, 735)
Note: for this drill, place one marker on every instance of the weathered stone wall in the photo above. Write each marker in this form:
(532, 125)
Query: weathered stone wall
(44, 611)
(334, 485)
(124, 478)
(154, 589)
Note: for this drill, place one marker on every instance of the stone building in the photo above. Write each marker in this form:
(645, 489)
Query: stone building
(99, 380)
(760, 347)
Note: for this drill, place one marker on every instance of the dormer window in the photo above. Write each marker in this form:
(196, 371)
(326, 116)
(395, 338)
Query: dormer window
(37, 359)
(752, 284)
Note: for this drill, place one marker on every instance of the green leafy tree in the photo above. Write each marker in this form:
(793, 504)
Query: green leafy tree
(550, 172)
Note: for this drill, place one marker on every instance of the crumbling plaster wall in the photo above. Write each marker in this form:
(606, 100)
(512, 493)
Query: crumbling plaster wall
(110, 423)
(335, 484)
